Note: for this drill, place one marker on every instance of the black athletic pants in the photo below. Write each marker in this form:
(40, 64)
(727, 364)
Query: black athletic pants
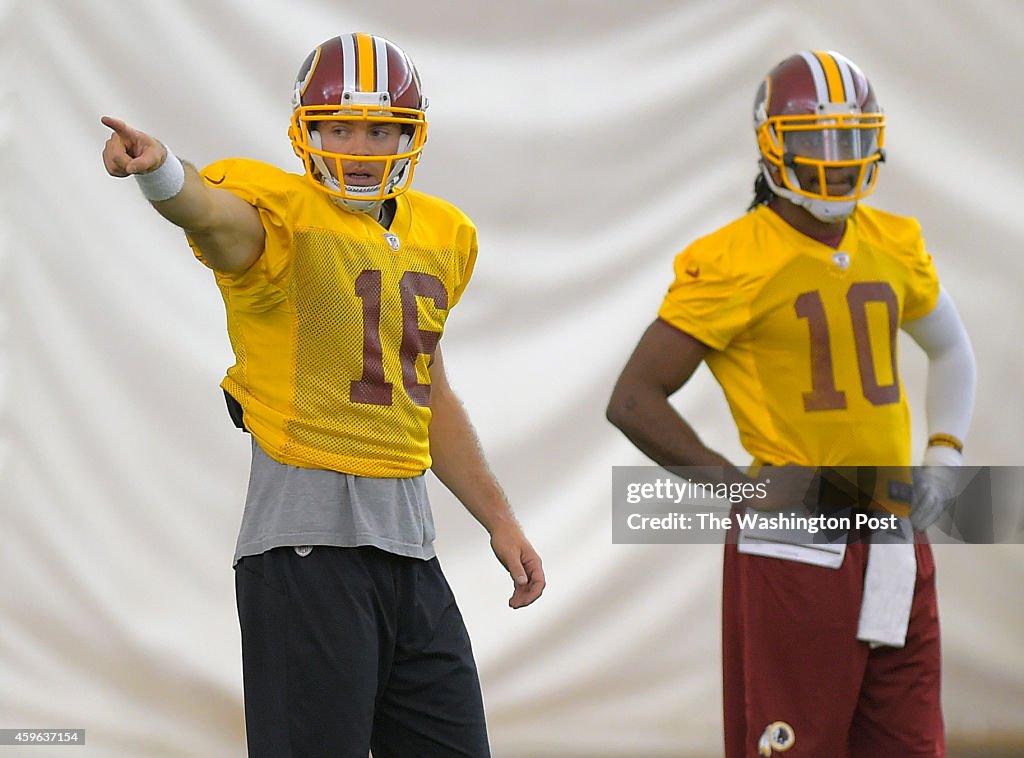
(348, 649)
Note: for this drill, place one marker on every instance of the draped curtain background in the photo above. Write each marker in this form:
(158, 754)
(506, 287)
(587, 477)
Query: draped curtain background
(589, 141)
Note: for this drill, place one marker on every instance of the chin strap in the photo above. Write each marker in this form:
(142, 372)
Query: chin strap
(358, 206)
(829, 211)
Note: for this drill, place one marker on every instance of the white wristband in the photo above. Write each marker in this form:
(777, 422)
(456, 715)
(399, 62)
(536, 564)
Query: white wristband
(165, 182)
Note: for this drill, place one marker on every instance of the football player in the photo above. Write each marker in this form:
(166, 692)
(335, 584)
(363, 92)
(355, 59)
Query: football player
(795, 308)
(337, 284)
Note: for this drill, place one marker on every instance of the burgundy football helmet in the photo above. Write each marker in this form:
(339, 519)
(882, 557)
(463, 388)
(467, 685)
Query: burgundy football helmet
(358, 77)
(817, 109)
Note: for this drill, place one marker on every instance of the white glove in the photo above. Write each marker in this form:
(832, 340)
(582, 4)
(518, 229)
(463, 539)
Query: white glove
(934, 485)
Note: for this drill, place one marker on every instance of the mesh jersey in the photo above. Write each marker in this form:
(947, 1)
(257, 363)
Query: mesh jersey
(803, 337)
(333, 329)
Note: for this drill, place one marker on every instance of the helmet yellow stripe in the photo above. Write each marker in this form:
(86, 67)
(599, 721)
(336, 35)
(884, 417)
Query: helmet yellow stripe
(832, 76)
(364, 56)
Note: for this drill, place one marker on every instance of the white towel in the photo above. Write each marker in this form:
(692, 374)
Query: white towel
(791, 544)
(888, 587)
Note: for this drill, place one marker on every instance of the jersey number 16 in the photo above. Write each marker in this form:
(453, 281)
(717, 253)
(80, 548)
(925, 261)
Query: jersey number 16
(372, 388)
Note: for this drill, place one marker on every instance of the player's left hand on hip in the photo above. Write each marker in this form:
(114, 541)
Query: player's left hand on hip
(934, 486)
(516, 554)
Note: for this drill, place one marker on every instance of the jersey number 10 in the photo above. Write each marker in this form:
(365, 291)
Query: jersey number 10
(824, 396)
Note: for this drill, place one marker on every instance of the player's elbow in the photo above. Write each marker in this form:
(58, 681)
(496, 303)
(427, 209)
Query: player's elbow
(611, 413)
(621, 409)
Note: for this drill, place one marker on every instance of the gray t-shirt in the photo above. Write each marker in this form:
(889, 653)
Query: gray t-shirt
(288, 506)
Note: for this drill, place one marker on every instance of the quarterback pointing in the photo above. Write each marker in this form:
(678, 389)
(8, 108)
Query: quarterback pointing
(337, 285)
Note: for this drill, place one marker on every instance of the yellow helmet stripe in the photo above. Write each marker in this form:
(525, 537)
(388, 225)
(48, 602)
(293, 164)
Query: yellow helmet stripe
(365, 66)
(833, 77)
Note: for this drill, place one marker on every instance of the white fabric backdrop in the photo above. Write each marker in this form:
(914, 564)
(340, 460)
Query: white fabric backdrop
(589, 141)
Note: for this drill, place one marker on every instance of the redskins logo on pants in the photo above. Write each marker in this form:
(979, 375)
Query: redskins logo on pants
(778, 735)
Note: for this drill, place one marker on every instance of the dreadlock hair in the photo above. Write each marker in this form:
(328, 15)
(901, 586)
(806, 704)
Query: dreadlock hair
(762, 192)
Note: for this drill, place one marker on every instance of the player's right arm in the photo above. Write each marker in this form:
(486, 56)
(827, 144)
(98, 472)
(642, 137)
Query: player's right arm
(224, 227)
(663, 361)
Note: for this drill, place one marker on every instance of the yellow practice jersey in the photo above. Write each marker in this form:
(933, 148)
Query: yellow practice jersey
(334, 326)
(803, 337)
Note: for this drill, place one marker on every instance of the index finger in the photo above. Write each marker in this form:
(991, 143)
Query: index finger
(119, 126)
